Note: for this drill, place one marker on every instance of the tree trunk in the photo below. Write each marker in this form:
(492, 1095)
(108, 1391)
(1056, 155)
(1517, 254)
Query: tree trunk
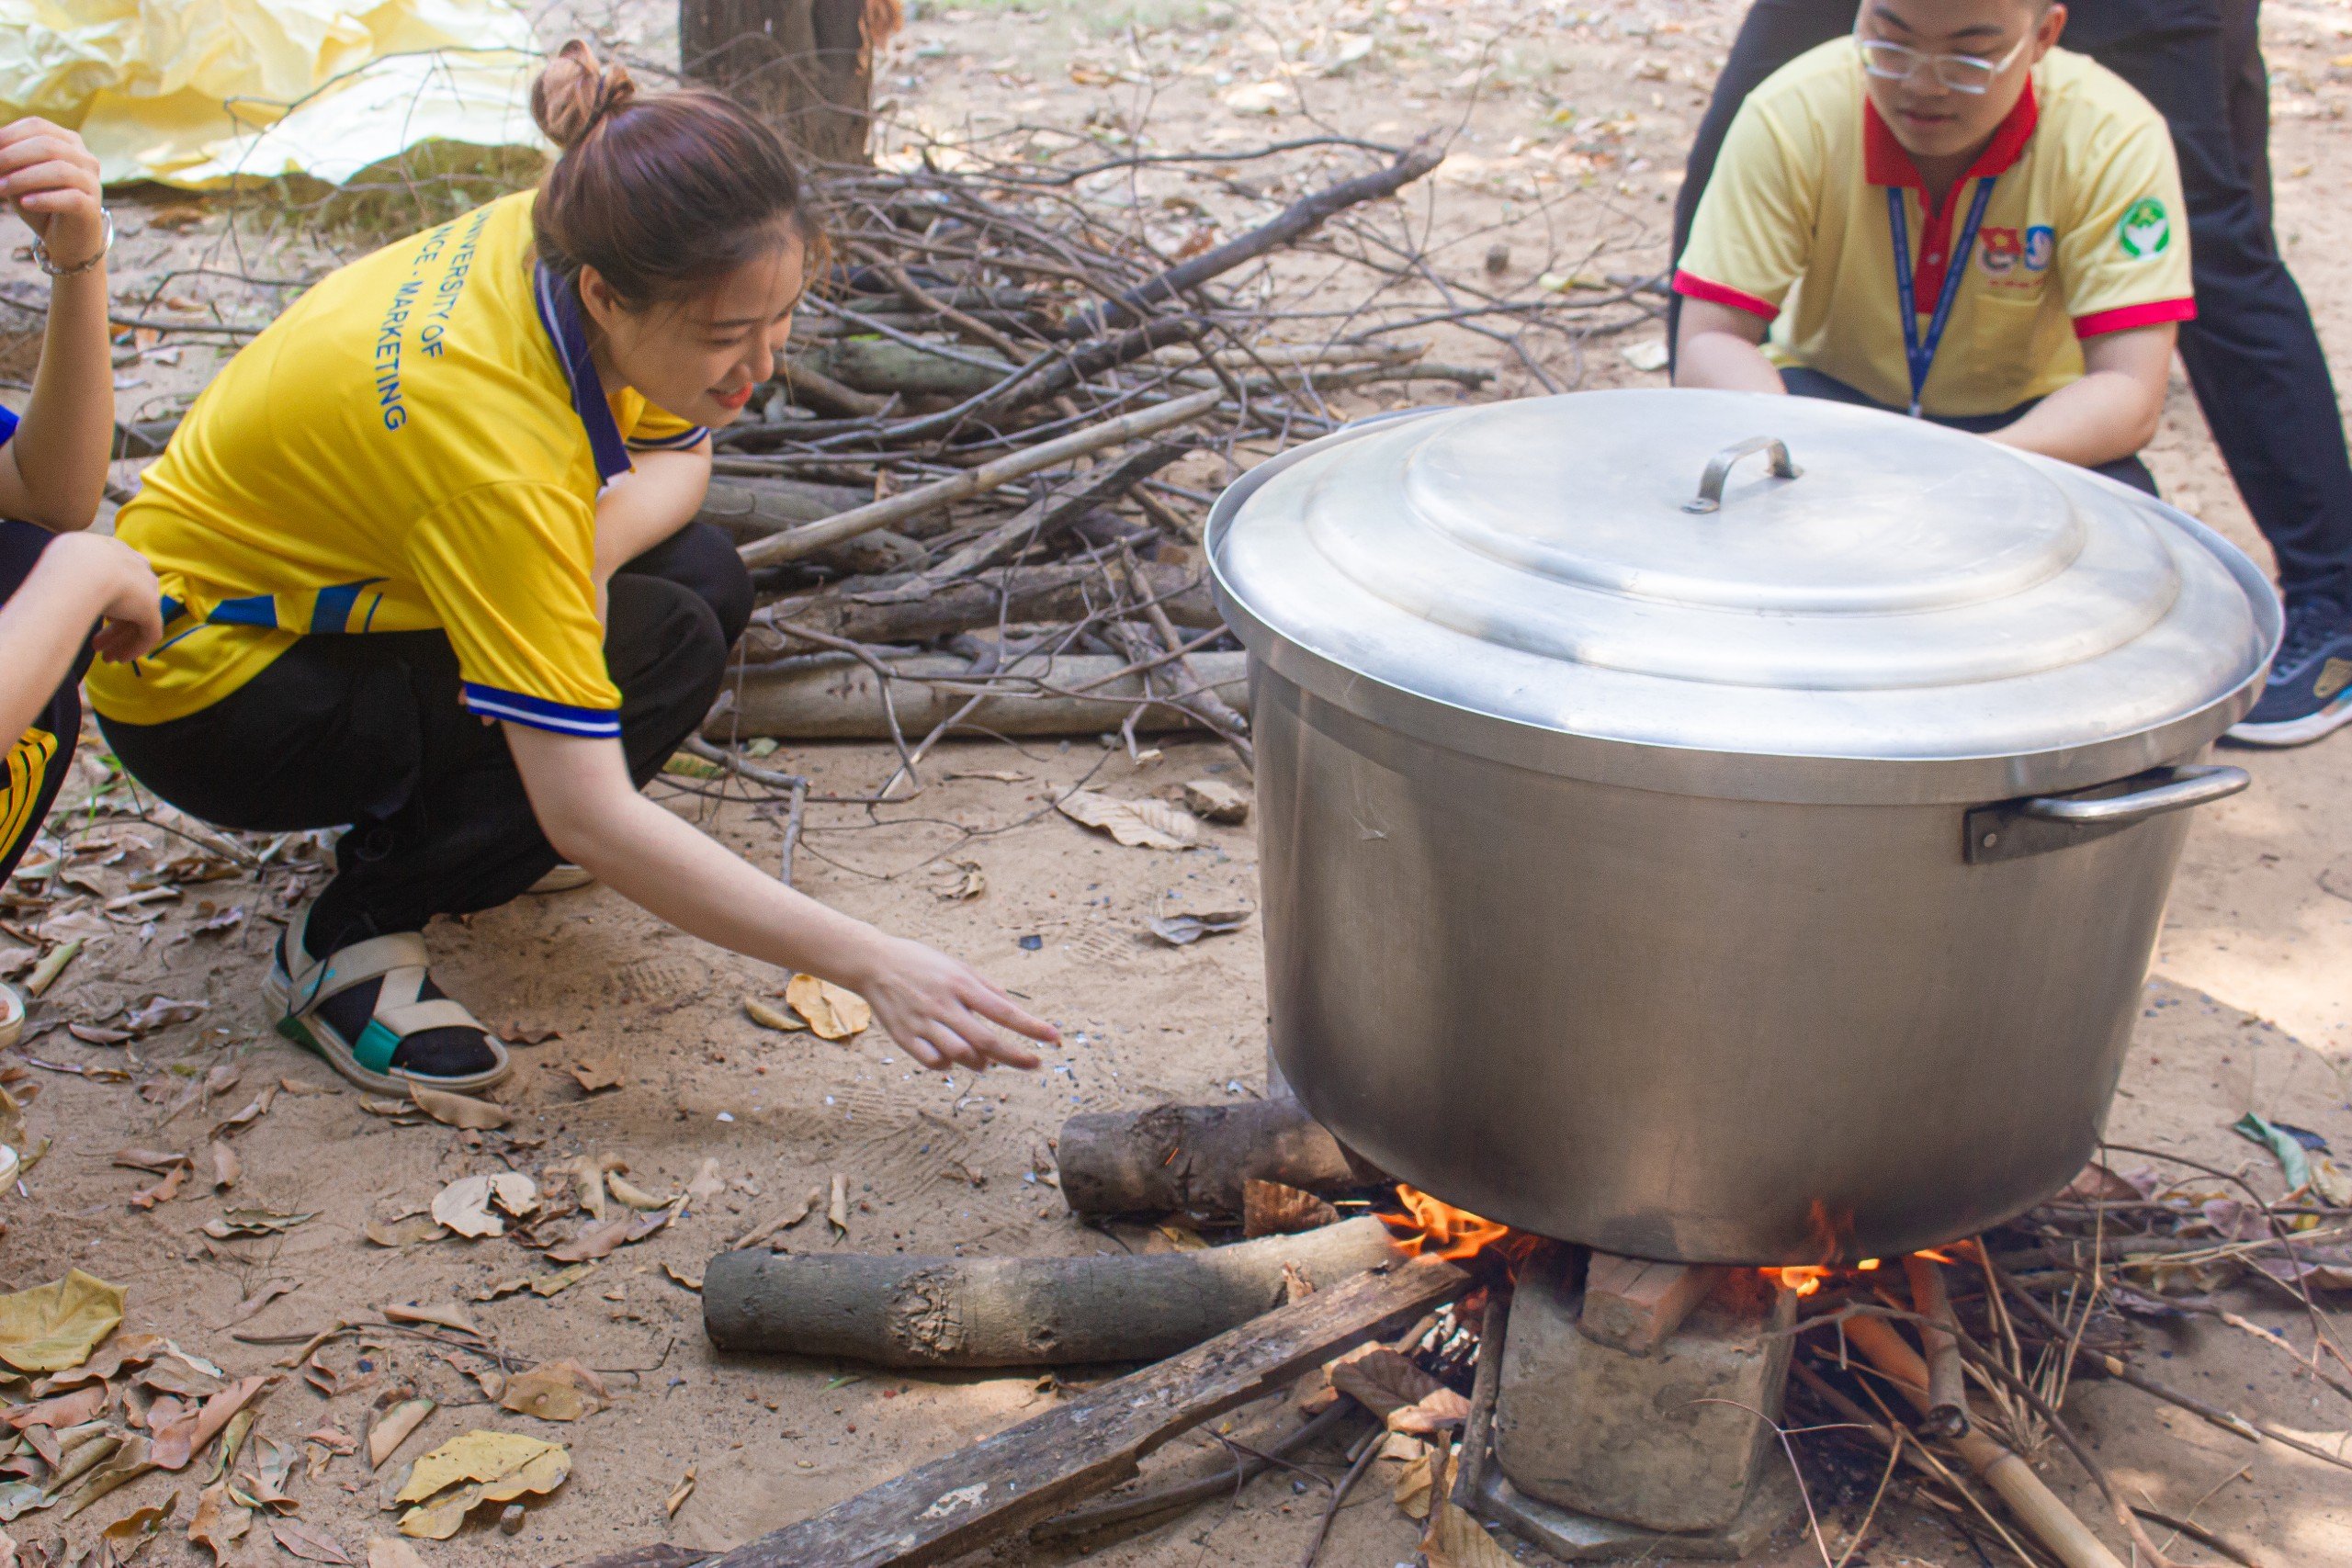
(807, 65)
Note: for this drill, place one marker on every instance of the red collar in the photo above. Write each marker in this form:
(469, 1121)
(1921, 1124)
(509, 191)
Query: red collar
(1886, 162)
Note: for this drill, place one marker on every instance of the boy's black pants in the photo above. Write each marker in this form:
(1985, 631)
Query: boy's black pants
(367, 730)
(37, 761)
(2252, 353)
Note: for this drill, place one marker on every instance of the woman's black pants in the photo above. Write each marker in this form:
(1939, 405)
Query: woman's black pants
(367, 730)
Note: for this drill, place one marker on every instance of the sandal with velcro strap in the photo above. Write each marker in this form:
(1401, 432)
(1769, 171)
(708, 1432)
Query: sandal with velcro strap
(406, 1007)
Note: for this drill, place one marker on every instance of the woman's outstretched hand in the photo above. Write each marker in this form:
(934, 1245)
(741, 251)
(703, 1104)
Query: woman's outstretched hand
(944, 1011)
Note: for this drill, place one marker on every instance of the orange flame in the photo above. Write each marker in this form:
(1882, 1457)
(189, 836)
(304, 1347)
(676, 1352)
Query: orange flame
(1437, 1229)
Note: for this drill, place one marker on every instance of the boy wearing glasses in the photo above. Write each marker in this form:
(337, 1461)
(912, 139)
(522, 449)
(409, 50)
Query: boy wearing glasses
(1948, 216)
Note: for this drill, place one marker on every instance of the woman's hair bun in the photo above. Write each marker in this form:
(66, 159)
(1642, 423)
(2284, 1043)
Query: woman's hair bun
(575, 91)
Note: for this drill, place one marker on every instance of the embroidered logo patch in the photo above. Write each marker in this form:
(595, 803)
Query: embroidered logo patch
(2146, 228)
(2002, 250)
(2041, 247)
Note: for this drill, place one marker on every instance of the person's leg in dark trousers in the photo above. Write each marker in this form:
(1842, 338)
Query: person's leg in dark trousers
(702, 557)
(42, 764)
(367, 730)
(2252, 353)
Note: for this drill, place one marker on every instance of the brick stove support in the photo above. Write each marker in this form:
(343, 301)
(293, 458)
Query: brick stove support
(1661, 1440)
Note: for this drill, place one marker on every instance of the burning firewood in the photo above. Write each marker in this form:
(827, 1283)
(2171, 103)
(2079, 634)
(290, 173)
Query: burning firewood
(1198, 1159)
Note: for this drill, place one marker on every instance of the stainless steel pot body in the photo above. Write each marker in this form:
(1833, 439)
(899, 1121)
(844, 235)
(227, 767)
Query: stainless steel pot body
(1681, 1027)
(1762, 875)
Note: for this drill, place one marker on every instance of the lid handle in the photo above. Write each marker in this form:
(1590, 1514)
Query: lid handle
(1710, 483)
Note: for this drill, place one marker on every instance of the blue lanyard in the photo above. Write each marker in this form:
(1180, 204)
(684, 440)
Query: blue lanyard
(1921, 353)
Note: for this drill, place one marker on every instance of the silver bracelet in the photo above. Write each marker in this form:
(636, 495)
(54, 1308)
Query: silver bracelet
(40, 253)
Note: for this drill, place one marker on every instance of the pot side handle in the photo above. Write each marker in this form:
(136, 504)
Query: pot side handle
(2187, 787)
(2041, 824)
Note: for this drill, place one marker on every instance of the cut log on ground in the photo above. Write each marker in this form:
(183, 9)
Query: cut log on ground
(1057, 590)
(765, 505)
(1197, 1158)
(1007, 1483)
(1084, 695)
(1018, 1311)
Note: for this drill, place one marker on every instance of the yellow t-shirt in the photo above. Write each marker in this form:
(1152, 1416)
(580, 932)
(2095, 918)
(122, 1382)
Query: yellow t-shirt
(417, 444)
(2085, 232)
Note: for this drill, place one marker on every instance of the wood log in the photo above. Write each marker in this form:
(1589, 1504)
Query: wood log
(1057, 590)
(1633, 1303)
(897, 1311)
(765, 505)
(884, 365)
(1197, 1158)
(1947, 1414)
(842, 702)
(663, 1555)
(1085, 1447)
(810, 385)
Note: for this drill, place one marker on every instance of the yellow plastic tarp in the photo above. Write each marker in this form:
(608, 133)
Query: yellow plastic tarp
(203, 93)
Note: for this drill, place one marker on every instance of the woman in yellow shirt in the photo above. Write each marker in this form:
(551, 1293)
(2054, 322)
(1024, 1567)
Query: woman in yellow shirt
(429, 570)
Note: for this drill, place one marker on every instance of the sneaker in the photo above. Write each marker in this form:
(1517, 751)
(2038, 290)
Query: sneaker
(2310, 693)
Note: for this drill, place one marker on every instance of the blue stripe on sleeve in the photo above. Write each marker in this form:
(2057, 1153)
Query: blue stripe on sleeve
(541, 714)
(672, 443)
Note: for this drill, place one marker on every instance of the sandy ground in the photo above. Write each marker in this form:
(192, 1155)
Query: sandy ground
(1568, 124)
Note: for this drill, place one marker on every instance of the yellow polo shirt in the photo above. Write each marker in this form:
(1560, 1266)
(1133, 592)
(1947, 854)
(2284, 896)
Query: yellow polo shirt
(416, 445)
(2085, 232)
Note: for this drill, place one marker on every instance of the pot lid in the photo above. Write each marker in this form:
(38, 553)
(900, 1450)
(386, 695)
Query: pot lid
(1858, 606)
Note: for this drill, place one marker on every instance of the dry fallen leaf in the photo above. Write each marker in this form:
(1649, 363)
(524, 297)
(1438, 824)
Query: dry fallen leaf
(164, 1191)
(769, 1016)
(1270, 1208)
(707, 1183)
(227, 1169)
(56, 1326)
(837, 1205)
(596, 1072)
(962, 879)
(681, 1278)
(253, 1222)
(783, 1221)
(220, 1521)
(679, 1494)
(834, 1012)
(555, 1390)
(307, 1542)
(1415, 1482)
(409, 1230)
(393, 1427)
(1183, 930)
(1453, 1539)
(1432, 1414)
(70, 1409)
(444, 1316)
(1383, 1381)
(384, 1552)
(176, 1443)
(265, 1292)
(482, 1467)
(464, 1205)
(458, 1109)
(629, 1194)
(273, 1469)
(586, 1175)
(129, 1535)
(1138, 824)
(600, 1240)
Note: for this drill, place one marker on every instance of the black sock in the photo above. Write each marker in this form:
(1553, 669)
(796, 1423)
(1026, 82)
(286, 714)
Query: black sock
(446, 1053)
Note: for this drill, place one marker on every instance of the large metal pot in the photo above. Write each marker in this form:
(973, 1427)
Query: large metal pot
(1720, 827)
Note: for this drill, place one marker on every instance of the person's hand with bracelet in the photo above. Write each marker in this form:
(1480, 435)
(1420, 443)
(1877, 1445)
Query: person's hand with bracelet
(53, 471)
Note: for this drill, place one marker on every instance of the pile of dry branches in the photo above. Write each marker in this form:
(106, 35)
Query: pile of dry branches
(960, 497)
